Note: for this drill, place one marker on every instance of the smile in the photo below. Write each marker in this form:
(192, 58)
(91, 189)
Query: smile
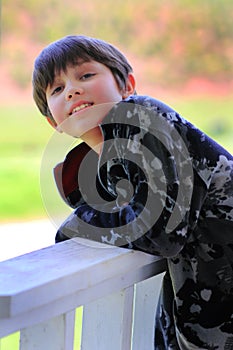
(79, 108)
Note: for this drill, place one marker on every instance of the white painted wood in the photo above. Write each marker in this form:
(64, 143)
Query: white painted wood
(146, 299)
(107, 322)
(43, 285)
(127, 321)
(54, 280)
(55, 334)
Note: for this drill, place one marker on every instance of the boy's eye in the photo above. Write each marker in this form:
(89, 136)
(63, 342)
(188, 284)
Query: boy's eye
(56, 90)
(87, 76)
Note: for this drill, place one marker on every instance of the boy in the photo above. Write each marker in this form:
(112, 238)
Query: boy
(144, 178)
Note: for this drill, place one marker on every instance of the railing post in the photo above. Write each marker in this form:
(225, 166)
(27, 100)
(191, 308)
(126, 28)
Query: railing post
(55, 334)
(145, 304)
(107, 322)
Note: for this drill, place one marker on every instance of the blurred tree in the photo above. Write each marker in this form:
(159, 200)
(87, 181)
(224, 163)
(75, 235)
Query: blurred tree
(185, 37)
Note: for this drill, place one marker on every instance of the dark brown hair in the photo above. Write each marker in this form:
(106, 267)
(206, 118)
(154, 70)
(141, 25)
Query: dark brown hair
(69, 50)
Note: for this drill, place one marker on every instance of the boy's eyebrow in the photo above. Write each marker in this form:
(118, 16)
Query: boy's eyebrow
(79, 62)
(57, 72)
(55, 80)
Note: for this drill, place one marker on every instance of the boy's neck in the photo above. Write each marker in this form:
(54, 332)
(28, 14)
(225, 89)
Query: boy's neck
(94, 139)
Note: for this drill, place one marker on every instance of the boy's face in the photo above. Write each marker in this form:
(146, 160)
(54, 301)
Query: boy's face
(76, 91)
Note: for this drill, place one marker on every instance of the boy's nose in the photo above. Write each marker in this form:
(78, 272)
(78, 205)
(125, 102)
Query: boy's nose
(73, 91)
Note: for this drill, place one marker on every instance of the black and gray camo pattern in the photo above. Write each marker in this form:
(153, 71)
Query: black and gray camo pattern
(164, 187)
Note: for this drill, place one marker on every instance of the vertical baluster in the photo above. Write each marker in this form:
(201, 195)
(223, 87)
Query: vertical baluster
(107, 322)
(55, 334)
(146, 299)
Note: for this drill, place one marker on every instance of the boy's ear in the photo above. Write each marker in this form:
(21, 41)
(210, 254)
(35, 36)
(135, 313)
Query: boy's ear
(130, 86)
(54, 124)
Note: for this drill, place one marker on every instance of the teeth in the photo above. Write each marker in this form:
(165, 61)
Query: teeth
(84, 105)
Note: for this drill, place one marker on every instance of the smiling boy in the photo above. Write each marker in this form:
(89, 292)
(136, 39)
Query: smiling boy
(88, 76)
(174, 201)
(79, 87)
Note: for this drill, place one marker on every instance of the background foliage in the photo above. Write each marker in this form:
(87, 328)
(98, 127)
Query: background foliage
(184, 37)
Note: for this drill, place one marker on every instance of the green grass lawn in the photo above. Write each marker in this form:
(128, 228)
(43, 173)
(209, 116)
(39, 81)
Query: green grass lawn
(25, 134)
(212, 115)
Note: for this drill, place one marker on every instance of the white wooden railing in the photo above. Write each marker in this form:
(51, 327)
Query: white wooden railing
(118, 289)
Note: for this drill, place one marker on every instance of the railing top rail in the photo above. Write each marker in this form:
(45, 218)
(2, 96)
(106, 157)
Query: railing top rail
(70, 274)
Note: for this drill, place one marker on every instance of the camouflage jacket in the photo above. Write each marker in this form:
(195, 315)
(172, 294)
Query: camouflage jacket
(163, 187)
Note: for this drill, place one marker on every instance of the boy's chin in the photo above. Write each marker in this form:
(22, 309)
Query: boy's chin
(86, 120)
(76, 127)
